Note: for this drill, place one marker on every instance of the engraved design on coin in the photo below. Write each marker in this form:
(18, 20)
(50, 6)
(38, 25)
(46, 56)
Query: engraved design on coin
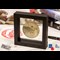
(31, 29)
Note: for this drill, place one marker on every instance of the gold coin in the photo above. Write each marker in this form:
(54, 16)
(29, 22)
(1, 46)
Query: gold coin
(31, 29)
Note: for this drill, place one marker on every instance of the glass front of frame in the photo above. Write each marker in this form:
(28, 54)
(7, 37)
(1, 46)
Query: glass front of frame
(31, 29)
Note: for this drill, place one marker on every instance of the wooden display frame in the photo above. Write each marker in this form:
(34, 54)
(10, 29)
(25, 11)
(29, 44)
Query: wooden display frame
(26, 42)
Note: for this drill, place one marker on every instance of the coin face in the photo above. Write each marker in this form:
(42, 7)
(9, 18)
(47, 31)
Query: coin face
(31, 29)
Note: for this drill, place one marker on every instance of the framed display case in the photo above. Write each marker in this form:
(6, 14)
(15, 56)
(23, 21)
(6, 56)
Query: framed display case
(30, 29)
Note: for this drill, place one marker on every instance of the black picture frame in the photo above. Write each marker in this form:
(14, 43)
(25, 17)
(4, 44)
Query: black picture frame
(26, 42)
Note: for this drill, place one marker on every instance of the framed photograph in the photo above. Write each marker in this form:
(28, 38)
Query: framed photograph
(30, 29)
